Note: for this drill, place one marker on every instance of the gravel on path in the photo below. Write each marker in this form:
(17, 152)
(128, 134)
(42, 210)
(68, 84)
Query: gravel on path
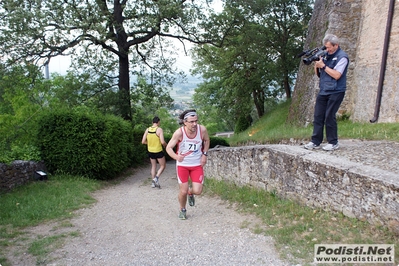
(134, 224)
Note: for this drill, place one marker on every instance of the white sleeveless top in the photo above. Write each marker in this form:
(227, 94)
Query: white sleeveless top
(191, 148)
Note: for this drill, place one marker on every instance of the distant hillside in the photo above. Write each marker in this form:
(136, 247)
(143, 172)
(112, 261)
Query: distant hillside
(183, 91)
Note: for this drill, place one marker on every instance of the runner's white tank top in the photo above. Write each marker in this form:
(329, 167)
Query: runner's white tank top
(191, 148)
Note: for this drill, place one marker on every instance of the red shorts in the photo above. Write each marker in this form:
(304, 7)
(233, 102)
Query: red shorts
(196, 174)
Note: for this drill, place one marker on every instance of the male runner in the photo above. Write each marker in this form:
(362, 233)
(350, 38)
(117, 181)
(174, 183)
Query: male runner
(192, 142)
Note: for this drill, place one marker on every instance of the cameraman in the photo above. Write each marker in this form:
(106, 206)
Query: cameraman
(331, 69)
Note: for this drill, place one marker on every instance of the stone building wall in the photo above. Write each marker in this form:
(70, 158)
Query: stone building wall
(361, 26)
(18, 173)
(367, 69)
(313, 179)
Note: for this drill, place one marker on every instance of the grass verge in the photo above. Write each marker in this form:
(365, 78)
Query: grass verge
(40, 202)
(272, 128)
(296, 228)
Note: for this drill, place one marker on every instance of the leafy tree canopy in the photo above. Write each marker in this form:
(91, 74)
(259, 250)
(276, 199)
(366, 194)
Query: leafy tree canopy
(112, 38)
(256, 62)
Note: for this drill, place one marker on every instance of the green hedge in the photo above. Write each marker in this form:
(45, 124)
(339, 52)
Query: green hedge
(140, 151)
(81, 143)
(91, 144)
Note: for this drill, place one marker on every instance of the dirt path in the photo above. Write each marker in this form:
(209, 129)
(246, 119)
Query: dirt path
(134, 224)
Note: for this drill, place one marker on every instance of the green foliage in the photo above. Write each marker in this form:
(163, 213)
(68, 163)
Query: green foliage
(343, 117)
(82, 143)
(271, 128)
(25, 152)
(139, 153)
(88, 88)
(149, 98)
(18, 151)
(21, 99)
(243, 122)
(217, 141)
(214, 107)
(256, 64)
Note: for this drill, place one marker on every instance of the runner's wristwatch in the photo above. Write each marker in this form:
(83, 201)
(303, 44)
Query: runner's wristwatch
(205, 153)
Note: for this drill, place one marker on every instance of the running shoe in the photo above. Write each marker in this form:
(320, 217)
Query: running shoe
(182, 214)
(155, 183)
(331, 147)
(311, 146)
(191, 200)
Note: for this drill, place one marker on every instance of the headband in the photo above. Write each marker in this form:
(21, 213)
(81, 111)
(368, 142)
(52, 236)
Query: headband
(190, 114)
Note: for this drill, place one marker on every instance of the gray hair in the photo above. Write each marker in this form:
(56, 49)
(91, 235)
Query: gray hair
(331, 38)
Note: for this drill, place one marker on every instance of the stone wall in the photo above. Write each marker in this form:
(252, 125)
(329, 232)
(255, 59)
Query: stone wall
(18, 173)
(361, 26)
(314, 179)
(368, 64)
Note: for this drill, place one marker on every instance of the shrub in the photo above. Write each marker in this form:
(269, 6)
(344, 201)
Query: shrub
(18, 151)
(218, 141)
(243, 122)
(88, 144)
(139, 154)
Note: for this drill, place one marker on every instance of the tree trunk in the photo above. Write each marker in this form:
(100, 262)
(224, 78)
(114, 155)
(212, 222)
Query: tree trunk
(124, 88)
(259, 100)
(287, 87)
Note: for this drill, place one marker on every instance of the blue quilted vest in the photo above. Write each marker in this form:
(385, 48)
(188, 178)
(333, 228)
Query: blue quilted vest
(327, 84)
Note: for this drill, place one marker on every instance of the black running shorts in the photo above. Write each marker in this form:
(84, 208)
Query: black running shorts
(156, 155)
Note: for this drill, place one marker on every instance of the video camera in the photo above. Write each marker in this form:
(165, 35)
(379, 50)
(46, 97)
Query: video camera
(312, 55)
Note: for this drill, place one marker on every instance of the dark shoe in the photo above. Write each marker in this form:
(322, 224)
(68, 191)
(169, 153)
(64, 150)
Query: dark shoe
(191, 200)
